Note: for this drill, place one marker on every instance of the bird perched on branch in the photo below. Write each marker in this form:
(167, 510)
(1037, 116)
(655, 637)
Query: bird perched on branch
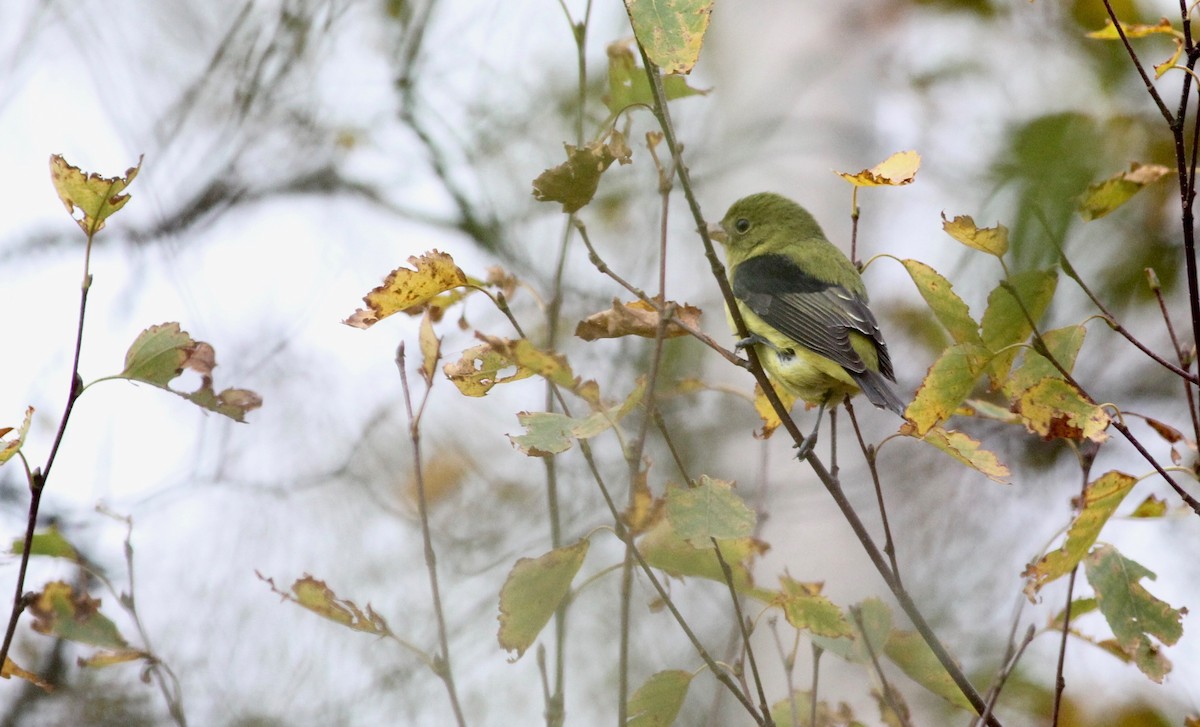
(804, 305)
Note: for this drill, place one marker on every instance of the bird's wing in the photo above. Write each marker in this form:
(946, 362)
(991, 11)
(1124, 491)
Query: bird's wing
(816, 314)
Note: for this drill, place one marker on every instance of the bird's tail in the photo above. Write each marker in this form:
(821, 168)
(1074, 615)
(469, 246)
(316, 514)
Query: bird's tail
(877, 390)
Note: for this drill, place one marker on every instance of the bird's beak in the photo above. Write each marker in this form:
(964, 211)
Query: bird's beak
(716, 232)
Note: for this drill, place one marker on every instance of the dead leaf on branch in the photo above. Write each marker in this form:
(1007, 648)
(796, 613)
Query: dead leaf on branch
(636, 318)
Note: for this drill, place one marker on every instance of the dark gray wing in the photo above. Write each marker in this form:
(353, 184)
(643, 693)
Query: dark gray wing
(818, 315)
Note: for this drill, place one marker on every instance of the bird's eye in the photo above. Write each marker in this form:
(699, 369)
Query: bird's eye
(742, 225)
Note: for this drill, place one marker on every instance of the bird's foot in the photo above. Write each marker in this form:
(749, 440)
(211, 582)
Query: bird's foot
(751, 340)
(806, 447)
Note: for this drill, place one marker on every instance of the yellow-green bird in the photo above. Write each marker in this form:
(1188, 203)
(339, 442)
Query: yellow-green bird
(805, 306)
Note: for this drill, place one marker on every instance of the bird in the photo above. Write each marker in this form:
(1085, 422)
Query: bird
(805, 307)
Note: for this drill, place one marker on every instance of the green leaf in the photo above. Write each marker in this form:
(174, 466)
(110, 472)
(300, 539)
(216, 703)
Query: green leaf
(10, 447)
(532, 593)
(992, 240)
(657, 702)
(948, 382)
(89, 198)
(950, 309)
(59, 611)
(628, 85)
(807, 610)
(1106, 196)
(1004, 323)
(49, 542)
(1100, 500)
(663, 548)
(872, 626)
(1063, 345)
(914, 657)
(708, 510)
(161, 353)
(549, 433)
(670, 31)
(1133, 614)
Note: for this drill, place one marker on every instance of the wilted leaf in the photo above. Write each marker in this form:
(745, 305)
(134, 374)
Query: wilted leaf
(1079, 607)
(657, 702)
(10, 447)
(431, 348)
(914, 657)
(711, 509)
(950, 309)
(1106, 196)
(102, 659)
(551, 366)
(897, 170)
(433, 273)
(532, 592)
(1100, 500)
(161, 353)
(1054, 409)
(636, 318)
(968, 451)
(10, 670)
(574, 182)
(948, 382)
(59, 611)
(321, 600)
(89, 198)
(480, 368)
(628, 85)
(992, 240)
(670, 31)
(807, 610)
(1164, 430)
(1133, 30)
(1131, 611)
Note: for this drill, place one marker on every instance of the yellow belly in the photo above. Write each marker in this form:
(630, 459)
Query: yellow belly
(802, 373)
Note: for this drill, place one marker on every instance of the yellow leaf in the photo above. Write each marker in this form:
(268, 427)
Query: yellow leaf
(766, 412)
(321, 600)
(10, 670)
(968, 451)
(12, 446)
(1134, 30)
(1106, 196)
(1054, 409)
(992, 240)
(431, 347)
(89, 198)
(434, 273)
(480, 368)
(897, 170)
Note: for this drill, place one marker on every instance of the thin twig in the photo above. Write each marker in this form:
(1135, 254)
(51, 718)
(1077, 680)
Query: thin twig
(872, 455)
(1008, 669)
(443, 667)
(1180, 352)
(888, 691)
